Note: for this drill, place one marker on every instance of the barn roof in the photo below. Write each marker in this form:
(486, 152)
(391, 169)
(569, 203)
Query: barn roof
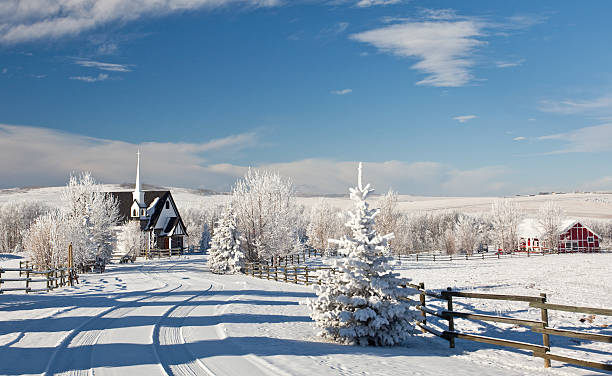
(529, 227)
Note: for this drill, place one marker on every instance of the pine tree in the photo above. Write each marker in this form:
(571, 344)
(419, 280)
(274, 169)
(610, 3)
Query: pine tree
(360, 302)
(225, 254)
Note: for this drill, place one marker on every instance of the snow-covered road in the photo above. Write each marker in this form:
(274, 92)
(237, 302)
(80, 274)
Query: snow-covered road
(174, 317)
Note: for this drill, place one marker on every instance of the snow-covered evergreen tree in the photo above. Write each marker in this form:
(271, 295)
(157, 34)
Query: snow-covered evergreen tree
(361, 302)
(225, 254)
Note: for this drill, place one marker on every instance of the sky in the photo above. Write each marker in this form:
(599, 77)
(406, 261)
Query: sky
(435, 97)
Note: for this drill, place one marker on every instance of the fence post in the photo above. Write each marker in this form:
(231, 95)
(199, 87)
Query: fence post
(306, 270)
(295, 274)
(27, 281)
(422, 299)
(276, 273)
(1, 277)
(55, 276)
(545, 337)
(285, 270)
(268, 269)
(451, 319)
(417, 257)
(260, 271)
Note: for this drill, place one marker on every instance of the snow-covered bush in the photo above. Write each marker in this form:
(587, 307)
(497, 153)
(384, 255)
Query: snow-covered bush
(225, 254)
(131, 239)
(325, 223)
(91, 216)
(267, 214)
(360, 302)
(15, 219)
(46, 241)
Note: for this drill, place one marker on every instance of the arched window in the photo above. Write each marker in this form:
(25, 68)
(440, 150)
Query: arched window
(167, 204)
(135, 213)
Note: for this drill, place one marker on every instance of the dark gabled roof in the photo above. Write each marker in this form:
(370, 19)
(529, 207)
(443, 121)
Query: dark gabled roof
(126, 200)
(159, 206)
(171, 223)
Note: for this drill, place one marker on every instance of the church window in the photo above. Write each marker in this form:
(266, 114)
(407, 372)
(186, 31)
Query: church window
(167, 204)
(134, 214)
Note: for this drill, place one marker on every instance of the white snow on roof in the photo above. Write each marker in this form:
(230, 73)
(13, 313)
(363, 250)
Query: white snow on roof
(529, 227)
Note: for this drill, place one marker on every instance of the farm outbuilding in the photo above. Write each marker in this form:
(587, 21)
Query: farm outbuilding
(574, 237)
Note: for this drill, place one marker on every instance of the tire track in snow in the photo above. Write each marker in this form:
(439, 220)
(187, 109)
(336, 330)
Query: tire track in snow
(82, 337)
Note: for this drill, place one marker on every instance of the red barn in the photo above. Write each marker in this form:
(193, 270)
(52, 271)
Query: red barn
(577, 237)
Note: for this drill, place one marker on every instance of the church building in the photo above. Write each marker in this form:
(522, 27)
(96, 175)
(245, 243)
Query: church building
(157, 212)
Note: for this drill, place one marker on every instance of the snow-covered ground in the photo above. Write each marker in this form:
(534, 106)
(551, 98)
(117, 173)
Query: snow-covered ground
(174, 317)
(576, 205)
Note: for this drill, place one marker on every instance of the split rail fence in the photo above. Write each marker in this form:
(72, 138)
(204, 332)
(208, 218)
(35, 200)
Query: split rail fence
(308, 275)
(52, 278)
(541, 326)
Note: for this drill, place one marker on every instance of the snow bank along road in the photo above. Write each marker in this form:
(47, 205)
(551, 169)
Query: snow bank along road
(174, 317)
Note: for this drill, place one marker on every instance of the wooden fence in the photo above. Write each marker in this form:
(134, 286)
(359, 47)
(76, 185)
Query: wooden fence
(285, 273)
(308, 275)
(53, 278)
(159, 253)
(541, 326)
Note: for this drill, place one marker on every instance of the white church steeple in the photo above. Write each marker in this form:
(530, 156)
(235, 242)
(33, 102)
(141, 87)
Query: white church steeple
(138, 194)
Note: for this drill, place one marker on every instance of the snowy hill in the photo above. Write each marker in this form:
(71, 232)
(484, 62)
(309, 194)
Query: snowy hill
(576, 205)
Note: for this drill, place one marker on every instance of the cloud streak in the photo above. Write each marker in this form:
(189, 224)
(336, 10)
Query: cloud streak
(443, 48)
(584, 140)
(465, 118)
(104, 66)
(38, 156)
(567, 107)
(99, 77)
(342, 92)
(24, 21)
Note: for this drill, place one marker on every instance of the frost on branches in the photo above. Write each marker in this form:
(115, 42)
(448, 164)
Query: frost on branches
(225, 254)
(359, 304)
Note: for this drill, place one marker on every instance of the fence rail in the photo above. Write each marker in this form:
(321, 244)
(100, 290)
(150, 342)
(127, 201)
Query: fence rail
(308, 275)
(53, 278)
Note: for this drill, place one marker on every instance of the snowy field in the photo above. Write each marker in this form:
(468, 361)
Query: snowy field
(576, 205)
(174, 317)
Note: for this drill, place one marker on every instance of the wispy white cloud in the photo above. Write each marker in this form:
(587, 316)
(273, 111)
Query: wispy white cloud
(464, 118)
(23, 21)
(104, 66)
(444, 48)
(37, 156)
(519, 138)
(4, 70)
(509, 64)
(566, 107)
(583, 140)
(370, 3)
(342, 92)
(99, 77)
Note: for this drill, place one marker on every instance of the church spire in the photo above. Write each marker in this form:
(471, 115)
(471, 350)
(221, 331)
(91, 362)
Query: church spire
(138, 194)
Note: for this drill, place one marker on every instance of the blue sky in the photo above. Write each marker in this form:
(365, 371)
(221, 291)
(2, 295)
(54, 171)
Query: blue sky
(436, 97)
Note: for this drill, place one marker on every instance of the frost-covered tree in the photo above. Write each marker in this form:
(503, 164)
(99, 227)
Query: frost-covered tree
(267, 214)
(389, 219)
(468, 233)
(550, 219)
(91, 216)
(46, 240)
(225, 254)
(199, 222)
(325, 223)
(360, 303)
(505, 218)
(131, 240)
(15, 218)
